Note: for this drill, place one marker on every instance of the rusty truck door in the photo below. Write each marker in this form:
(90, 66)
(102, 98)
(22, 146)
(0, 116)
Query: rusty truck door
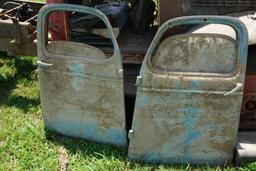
(189, 95)
(81, 89)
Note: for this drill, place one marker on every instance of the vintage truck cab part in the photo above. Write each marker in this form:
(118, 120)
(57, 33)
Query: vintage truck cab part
(176, 90)
(133, 48)
(191, 90)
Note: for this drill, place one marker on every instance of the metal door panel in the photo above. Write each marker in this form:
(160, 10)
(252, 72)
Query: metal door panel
(183, 116)
(81, 89)
(191, 53)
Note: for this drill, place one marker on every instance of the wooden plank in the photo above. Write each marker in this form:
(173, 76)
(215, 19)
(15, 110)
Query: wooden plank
(169, 9)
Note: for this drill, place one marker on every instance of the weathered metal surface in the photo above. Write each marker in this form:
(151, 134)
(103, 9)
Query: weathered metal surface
(35, 5)
(17, 38)
(81, 89)
(191, 53)
(17, 29)
(183, 116)
(247, 18)
(246, 147)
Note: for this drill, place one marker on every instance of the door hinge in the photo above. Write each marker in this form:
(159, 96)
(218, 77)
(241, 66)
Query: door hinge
(138, 81)
(121, 73)
(131, 134)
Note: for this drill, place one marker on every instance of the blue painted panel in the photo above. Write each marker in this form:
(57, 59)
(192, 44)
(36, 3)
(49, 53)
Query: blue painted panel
(81, 89)
(184, 117)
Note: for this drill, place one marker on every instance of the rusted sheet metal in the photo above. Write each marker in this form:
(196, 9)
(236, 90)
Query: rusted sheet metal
(81, 89)
(17, 37)
(191, 53)
(248, 18)
(191, 113)
(17, 29)
(35, 5)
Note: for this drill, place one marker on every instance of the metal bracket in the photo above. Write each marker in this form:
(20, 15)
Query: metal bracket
(138, 81)
(121, 73)
(131, 134)
(44, 64)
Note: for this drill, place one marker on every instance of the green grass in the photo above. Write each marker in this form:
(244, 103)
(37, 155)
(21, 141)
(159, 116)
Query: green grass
(25, 144)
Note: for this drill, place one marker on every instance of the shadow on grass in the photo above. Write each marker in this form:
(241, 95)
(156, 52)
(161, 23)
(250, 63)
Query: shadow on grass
(99, 151)
(21, 68)
(23, 103)
(87, 149)
(6, 86)
(90, 149)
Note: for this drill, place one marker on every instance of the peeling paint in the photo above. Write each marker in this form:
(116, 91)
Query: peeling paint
(76, 83)
(183, 116)
(81, 91)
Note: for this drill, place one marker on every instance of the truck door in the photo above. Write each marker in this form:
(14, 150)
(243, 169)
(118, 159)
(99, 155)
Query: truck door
(189, 95)
(81, 88)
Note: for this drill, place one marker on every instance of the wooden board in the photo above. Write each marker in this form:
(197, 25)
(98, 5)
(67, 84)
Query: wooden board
(168, 10)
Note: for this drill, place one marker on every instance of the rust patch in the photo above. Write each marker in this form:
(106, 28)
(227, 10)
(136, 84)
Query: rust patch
(182, 113)
(190, 53)
(81, 90)
(63, 159)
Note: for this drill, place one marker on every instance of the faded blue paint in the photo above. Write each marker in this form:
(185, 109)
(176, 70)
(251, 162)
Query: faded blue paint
(170, 153)
(192, 136)
(188, 101)
(195, 84)
(142, 101)
(76, 68)
(189, 117)
(92, 131)
(190, 122)
(182, 119)
(78, 104)
(211, 126)
(189, 111)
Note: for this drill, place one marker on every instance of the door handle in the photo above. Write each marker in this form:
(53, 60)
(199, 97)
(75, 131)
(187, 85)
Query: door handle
(44, 64)
(234, 90)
